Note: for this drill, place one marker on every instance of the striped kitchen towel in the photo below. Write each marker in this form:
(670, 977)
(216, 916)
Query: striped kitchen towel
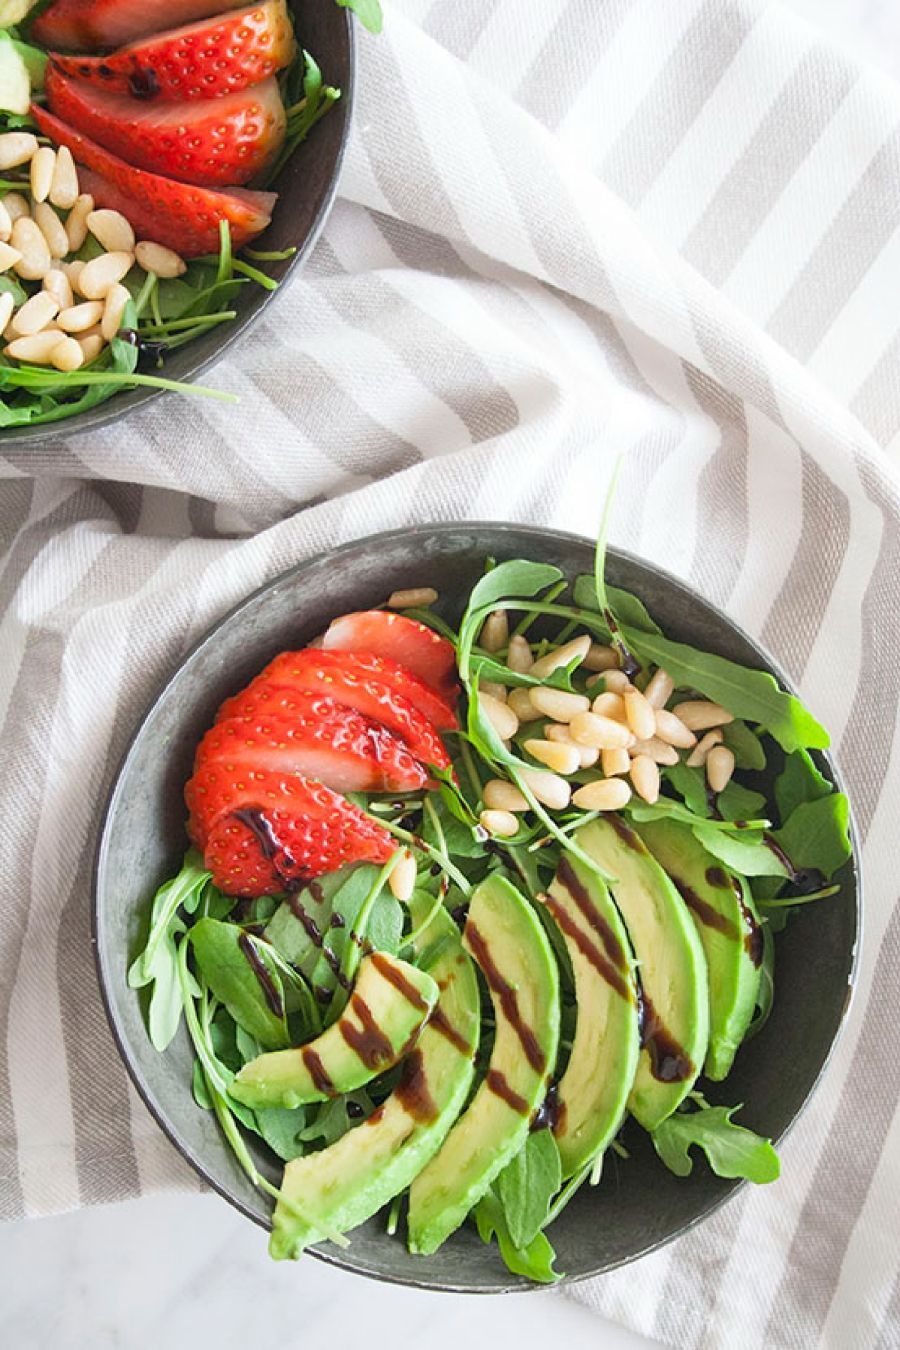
(567, 229)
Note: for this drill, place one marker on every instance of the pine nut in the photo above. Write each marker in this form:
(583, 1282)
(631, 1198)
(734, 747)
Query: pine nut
(165, 262)
(68, 355)
(494, 635)
(117, 298)
(101, 274)
(5, 224)
(606, 794)
(43, 166)
(17, 147)
(417, 597)
(588, 756)
(672, 730)
(37, 348)
(16, 206)
(497, 691)
(611, 705)
(501, 824)
(500, 715)
(659, 689)
(79, 318)
(701, 714)
(519, 700)
(600, 657)
(645, 777)
(614, 762)
(639, 714)
(113, 231)
(719, 767)
(64, 187)
(52, 228)
(72, 271)
(35, 314)
(76, 223)
(7, 305)
(697, 758)
(35, 262)
(56, 283)
(549, 788)
(402, 880)
(601, 733)
(9, 257)
(659, 751)
(559, 703)
(577, 649)
(560, 758)
(91, 344)
(499, 795)
(616, 680)
(518, 655)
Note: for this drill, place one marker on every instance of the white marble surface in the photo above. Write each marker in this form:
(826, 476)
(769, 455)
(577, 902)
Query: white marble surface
(181, 1271)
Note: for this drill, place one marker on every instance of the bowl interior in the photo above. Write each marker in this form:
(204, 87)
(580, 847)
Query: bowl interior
(638, 1204)
(306, 188)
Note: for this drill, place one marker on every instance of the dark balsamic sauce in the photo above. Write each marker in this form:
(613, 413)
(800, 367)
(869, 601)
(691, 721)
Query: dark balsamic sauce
(628, 662)
(753, 938)
(705, 912)
(413, 1091)
(507, 998)
(321, 1079)
(579, 893)
(497, 1082)
(263, 975)
(625, 832)
(668, 1061)
(354, 1110)
(337, 921)
(314, 933)
(367, 1040)
(774, 847)
(458, 913)
(395, 977)
(551, 1114)
(440, 1022)
(589, 951)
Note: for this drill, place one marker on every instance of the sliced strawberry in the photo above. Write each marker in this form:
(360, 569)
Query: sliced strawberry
(200, 61)
(180, 215)
(342, 676)
(268, 834)
(85, 25)
(290, 669)
(384, 633)
(227, 140)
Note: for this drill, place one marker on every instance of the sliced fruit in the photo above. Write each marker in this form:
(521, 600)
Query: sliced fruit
(262, 833)
(723, 910)
(674, 985)
(339, 748)
(286, 670)
(180, 215)
(199, 61)
(385, 633)
(348, 1182)
(346, 679)
(508, 941)
(85, 25)
(592, 1094)
(389, 1004)
(213, 144)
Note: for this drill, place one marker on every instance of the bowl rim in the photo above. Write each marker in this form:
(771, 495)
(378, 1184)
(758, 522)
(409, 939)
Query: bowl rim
(105, 976)
(95, 419)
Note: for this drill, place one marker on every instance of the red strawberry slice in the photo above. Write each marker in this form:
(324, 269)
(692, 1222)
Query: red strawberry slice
(285, 670)
(202, 60)
(180, 215)
(342, 676)
(384, 633)
(216, 143)
(85, 25)
(268, 833)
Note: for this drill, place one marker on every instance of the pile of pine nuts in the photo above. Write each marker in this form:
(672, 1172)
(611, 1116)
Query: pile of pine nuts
(78, 310)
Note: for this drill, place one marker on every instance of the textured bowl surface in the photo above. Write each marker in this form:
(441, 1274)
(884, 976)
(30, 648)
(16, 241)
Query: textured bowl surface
(639, 1204)
(306, 186)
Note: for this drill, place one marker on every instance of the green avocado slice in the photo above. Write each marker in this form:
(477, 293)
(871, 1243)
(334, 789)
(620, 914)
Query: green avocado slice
(378, 1026)
(348, 1182)
(592, 1094)
(671, 963)
(506, 937)
(726, 918)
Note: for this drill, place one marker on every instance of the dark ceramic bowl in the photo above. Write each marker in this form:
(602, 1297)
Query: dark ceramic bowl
(639, 1204)
(306, 186)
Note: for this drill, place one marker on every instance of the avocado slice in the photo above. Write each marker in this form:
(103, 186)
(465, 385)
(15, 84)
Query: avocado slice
(377, 1028)
(345, 1184)
(671, 964)
(508, 941)
(726, 918)
(592, 1094)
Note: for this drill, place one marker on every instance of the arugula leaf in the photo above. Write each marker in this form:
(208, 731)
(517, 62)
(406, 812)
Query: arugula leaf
(220, 949)
(689, 783)
(799, 781)
(732, 1150)
(817, 834)
(627, 608)
(745, 745)
(157, 963)
(744, 851)
(334, 899)
(508, 580)
(332, 1119)
(527, 1185)
(367, 11)
(280, 1127)
(535, 1261)
(666, 808)
(736, 802)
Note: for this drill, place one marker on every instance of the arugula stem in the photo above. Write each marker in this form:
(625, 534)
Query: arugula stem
(524, 624)
(788, 901)
(416, 842)
(468, 759)
(572, 1185)
(173, 325)
(41, 379)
